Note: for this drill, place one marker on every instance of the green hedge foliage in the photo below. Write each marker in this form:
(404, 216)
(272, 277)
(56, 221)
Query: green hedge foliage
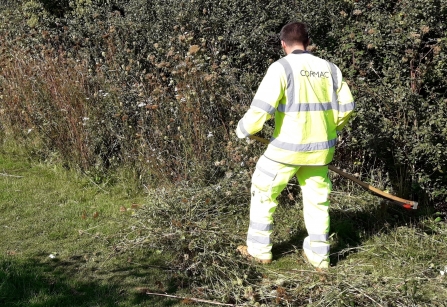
(393, 54)
(159, 85)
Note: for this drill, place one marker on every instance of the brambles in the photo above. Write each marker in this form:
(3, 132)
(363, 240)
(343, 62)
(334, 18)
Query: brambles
(163, 95)
(393, 63)
(160, 93)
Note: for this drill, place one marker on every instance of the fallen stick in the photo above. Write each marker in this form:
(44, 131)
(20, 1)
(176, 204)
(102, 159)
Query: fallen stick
(198, 300)
(8, 175)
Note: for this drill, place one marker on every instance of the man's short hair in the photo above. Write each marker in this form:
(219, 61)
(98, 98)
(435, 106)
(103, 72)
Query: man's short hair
(293, 33)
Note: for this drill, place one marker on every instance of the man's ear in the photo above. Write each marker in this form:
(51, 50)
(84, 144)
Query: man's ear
(283, 44)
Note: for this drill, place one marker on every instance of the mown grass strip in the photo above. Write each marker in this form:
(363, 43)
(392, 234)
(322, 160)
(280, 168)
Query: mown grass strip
(59, 233)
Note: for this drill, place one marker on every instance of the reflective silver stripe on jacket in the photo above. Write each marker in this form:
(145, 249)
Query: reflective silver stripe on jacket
(291, 106)
(315, 237)
(258, 239)
(290, 81)
(319, 106)
(320, 250)
(334, 76)
(263, 106)
(306, 107)
(242, 128)
(347, 107)
(303, 147)
(261, 226)
(263, 170)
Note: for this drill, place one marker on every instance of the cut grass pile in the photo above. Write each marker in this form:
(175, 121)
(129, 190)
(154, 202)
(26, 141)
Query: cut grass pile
(67, 241)
(381, 255)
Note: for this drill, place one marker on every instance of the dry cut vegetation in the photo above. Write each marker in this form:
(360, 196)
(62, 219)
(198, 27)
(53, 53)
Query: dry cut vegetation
(381, 255)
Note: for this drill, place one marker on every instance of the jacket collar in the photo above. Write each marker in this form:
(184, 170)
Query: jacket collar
(299, 51)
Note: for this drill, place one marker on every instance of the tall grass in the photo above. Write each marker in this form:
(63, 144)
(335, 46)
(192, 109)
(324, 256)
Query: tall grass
(44, 98)
(381, 255)
(168, 124)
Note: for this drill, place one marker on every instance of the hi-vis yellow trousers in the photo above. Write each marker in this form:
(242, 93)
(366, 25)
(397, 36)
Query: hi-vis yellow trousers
(269, 179)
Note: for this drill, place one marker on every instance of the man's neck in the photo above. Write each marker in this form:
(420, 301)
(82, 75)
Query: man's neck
(290, 49)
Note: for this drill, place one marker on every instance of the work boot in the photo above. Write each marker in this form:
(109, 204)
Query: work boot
(242, 249)
(323, 268)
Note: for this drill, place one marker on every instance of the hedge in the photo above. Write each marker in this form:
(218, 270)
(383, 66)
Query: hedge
(159, 86)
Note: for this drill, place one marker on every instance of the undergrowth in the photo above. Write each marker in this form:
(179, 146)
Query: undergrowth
(381, 255)
(201, 228)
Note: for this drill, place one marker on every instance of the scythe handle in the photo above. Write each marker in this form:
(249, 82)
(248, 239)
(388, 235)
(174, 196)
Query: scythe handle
(409, 204)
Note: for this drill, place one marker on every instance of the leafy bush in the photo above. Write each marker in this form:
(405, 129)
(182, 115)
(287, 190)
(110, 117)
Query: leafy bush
(393, 56)
(163, 83)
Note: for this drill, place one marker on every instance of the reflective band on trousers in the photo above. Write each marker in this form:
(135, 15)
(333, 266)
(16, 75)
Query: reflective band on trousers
(263, 106)
(258, 239)
(260, 226)
(303, 147)
(320, 250)
(314, 237)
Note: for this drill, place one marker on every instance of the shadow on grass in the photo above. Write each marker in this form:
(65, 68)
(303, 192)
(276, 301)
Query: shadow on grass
(37, 283)
(351, 228)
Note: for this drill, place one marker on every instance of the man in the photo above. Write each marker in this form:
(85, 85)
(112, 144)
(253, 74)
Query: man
(309, 102)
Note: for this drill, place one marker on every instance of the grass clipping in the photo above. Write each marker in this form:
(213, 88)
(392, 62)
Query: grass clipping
(198, 229)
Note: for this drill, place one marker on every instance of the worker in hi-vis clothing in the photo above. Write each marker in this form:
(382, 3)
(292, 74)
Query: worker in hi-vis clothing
(310, 102)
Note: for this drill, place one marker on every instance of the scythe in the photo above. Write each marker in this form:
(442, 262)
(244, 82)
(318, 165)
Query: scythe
(407, 204)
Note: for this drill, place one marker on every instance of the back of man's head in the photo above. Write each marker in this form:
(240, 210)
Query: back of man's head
(294, 33)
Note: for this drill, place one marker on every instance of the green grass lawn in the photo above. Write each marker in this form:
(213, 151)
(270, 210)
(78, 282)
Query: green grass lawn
(58, 237)
(67, 241)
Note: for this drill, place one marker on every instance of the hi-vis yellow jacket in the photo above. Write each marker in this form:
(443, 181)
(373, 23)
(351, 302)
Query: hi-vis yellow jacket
(310, 103)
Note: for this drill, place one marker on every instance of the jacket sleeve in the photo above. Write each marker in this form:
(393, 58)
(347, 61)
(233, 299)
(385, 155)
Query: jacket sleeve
(344, 98)
(346, 105)
(265, 102)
